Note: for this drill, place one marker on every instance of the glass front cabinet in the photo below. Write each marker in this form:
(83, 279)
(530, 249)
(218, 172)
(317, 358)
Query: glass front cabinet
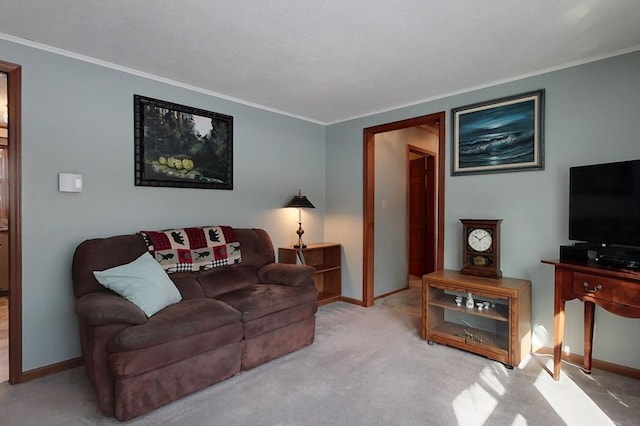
(486, 316)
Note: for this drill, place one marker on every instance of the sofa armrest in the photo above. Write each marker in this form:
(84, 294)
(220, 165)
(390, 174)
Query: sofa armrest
(286, 274)
(108, 308)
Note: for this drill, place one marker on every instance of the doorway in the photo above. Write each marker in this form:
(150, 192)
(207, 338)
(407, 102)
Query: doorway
(12, 199)
(436, 121)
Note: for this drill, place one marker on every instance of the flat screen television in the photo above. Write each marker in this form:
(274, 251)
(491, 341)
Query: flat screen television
(604, 203)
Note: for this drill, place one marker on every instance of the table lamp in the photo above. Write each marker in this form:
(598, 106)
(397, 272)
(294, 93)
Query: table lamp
(301, 202)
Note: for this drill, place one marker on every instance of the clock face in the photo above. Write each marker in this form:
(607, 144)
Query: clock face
(480, 240)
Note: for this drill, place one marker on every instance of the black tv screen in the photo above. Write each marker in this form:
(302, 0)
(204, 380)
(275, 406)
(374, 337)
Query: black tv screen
(604, 203)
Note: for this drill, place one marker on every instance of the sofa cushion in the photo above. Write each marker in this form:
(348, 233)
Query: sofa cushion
(258, 300)
(194, 249)
(286, 274)
(142, 282)
(224, 280)
(177, 321)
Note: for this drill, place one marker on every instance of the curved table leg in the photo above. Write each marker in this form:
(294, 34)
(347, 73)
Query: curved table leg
(558, 335)
(589, 308)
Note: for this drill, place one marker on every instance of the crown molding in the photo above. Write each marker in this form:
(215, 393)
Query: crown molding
(149, 76)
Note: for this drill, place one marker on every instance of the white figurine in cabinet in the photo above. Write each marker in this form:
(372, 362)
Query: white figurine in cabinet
(470, 302)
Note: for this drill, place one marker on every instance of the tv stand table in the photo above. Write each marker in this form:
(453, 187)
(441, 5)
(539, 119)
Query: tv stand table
(616, 290)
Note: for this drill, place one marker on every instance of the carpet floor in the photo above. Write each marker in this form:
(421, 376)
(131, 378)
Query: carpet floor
(368, 366)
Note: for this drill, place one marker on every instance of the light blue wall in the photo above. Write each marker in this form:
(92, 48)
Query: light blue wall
(78, 118)
(592, 113)
(390, 212)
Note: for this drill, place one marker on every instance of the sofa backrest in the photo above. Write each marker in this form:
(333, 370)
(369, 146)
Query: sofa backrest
(99, 254)
(102, 253)
(256, 247)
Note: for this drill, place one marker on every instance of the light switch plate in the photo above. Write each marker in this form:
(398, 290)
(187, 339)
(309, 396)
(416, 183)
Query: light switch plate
(69, 182)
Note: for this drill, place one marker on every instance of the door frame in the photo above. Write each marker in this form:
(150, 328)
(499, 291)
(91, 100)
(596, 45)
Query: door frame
(14, 93)
(368, 251)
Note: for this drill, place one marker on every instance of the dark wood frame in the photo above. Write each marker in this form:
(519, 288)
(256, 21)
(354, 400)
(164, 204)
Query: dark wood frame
(369, 194)
(14, 93)
(216, 152)
(499, 108)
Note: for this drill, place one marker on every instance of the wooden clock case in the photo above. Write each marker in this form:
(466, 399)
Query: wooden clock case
(484, 263)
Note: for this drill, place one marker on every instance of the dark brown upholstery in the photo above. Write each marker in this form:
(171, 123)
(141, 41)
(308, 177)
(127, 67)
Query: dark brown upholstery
(189, 317)
(261, 300)
(230, 318)
(100, 254)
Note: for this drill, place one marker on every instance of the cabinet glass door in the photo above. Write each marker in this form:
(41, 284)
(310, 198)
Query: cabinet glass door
(486, 323)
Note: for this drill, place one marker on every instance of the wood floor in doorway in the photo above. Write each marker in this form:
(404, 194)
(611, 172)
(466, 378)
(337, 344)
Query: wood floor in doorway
(409, 300)
(4, 339)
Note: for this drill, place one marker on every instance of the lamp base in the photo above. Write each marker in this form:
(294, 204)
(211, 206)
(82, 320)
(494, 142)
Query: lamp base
(300, 232)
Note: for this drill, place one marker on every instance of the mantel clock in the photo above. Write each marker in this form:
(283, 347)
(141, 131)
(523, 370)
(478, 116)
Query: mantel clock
(481, 247)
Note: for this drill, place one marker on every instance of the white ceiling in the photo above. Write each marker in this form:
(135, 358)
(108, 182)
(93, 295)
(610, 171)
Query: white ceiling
(330, 60)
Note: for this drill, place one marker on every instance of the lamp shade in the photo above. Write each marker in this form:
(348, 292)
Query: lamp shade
(300, 201)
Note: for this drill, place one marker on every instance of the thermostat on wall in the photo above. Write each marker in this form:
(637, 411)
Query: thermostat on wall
(68, 182)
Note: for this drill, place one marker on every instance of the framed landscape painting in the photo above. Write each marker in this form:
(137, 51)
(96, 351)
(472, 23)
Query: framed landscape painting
(503, 135)
(181, 146)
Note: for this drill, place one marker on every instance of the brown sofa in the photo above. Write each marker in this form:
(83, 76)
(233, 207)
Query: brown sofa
(230, 319)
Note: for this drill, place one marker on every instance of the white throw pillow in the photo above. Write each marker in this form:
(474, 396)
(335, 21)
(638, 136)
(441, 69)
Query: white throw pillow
(143, 282)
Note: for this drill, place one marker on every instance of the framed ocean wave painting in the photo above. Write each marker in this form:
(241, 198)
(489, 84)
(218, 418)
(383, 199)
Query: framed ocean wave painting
(502, 135)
